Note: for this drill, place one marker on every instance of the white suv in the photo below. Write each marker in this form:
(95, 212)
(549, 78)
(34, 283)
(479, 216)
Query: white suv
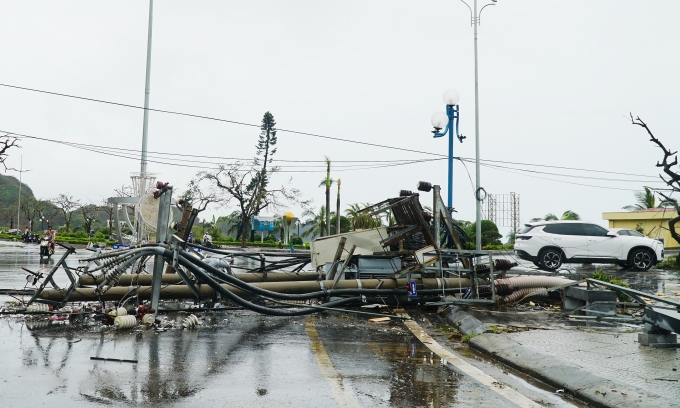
(549, 244)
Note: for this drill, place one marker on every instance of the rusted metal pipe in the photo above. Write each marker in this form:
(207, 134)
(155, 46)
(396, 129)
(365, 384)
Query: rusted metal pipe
(183, 291)
(171, 279)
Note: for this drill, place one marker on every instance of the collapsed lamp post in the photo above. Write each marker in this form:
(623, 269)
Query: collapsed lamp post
(448, 121)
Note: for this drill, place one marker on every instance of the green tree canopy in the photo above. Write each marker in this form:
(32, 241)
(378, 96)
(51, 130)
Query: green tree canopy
(345, 225)
(490, 234)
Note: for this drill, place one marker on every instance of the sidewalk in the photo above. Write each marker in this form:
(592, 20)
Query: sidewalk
(605, 369)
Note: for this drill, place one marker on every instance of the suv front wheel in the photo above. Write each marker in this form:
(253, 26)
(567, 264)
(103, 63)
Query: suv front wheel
(641, 259)
(550, 259)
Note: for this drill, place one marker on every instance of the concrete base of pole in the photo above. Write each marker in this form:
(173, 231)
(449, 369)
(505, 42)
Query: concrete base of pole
(183, 291)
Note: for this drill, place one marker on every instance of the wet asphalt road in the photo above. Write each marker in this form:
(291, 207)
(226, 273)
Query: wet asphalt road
(234, 358)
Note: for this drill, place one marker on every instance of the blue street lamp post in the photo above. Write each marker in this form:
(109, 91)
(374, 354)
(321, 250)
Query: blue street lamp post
(448, 121)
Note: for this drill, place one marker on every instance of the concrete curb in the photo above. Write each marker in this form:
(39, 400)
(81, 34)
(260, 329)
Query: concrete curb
(584, 385)
(464, 322)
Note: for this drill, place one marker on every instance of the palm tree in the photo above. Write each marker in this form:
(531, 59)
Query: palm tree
(645, 200)
(361, 220)
(233, 222)
(327, 182)
(566, 216)
(317, 220)
(570, 215)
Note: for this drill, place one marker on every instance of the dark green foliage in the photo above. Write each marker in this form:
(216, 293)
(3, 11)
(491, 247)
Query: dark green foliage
(9, 199)
(602, 276)
(490, 234)
(345, 225)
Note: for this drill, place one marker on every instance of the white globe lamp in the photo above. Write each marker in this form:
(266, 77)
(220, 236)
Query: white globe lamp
(451, 97)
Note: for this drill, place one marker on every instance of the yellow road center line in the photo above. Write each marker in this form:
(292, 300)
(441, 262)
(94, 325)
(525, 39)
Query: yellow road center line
(466, 368)
(343, 396)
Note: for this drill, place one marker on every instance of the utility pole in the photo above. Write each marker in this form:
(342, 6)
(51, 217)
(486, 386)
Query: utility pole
(478, 214)
(147, 90)
(337, 211)
(21, 170)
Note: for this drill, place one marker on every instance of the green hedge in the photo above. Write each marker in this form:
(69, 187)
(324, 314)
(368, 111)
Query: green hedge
(265, 244)
(85, 241)
(498, 247)
(10, 237)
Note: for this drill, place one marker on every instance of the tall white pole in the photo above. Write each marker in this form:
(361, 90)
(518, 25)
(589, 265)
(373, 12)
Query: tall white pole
(478, 223)
(145, 132)
(21, 171)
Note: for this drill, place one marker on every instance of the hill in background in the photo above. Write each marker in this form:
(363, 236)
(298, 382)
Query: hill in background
(9, 197)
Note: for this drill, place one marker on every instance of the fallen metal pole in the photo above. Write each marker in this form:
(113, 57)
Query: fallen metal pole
(171, 279)
(164, 202)
(183, 292)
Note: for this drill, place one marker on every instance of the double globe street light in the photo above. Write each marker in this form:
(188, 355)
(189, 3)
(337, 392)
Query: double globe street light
(448, 121)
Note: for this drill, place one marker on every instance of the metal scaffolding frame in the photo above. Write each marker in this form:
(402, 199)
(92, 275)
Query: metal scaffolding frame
(502, 210)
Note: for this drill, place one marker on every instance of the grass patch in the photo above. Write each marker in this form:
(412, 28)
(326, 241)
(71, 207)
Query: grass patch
(468, 337)
(670, 264)
(602, 276)
(498, 330)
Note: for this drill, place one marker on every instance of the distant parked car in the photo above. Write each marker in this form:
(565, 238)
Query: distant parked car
(549, 244)
(13, 231)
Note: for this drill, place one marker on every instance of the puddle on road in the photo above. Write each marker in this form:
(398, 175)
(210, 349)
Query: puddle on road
(420, 377)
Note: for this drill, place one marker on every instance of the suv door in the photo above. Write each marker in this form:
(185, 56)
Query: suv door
(569, 237)
(602, 244)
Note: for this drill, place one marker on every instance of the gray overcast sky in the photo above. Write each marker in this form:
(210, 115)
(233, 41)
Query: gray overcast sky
(557, 80)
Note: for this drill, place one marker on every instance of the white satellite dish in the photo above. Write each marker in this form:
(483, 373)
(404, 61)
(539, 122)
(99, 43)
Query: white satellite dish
(148, 211)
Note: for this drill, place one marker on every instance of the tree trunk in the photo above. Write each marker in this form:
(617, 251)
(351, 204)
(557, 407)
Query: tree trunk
(328, 198)
(337, 211)
(245, 222)
(673, 231)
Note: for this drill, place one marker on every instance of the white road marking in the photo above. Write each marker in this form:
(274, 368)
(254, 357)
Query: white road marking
(344, 397)
(465, 367)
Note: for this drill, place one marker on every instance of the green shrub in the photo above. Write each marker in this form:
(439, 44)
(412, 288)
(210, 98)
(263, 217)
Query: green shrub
(671, 264)
(498, 247)
(602, 276)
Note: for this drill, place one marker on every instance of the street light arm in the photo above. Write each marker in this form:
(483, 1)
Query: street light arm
(453, 112)
(479, 18)
(442, 133)
(470, 8)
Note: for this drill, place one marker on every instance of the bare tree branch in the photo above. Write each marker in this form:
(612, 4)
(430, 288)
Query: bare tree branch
(6, 142)
(673, 179)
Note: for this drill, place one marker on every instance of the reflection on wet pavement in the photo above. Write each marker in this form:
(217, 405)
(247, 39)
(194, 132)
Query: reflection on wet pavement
(420, 377)
(246, 359)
